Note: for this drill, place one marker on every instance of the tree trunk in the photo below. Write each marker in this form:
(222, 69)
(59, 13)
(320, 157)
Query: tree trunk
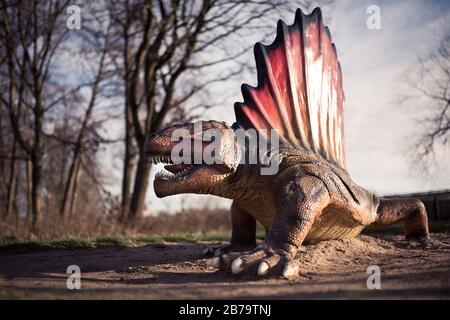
(11, 191)
(127, 164)
(37, 153)
(15, 205)
(76, 181)
(69, 187)
(29, 169)
(36, 178)
(140, 187)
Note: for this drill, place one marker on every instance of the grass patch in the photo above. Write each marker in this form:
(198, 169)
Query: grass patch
(17, 245)
(112, 241)
(22, 246)
(183, 237)
(36, 245)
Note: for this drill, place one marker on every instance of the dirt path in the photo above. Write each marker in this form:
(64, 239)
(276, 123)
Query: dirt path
(333, 269)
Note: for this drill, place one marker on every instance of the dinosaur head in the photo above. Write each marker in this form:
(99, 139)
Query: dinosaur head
(198, 156)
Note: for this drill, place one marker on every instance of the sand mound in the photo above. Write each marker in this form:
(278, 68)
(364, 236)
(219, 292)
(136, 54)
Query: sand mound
(342, 251)
(341, 254)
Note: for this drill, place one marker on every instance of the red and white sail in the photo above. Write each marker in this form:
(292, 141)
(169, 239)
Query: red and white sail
(299, 90)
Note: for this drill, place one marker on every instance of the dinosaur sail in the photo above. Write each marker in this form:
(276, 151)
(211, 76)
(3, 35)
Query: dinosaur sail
(299, 90)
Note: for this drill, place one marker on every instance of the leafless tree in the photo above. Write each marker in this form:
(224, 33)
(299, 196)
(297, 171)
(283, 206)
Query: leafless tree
(31, 36)
(50, 127)
(431, 80)
(97, 34)
(169, 53)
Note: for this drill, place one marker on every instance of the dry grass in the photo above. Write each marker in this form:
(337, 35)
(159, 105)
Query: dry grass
(196, 221)
(91, 232)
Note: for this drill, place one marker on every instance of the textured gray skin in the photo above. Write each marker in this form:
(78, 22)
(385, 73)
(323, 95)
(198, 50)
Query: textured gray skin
(309, 199)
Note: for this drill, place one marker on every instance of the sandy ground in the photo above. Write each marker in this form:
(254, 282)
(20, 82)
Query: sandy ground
(330, 270)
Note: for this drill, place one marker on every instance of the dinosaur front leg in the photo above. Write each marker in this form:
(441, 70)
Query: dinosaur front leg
(303, 200)
(411, 212)
(243, 234)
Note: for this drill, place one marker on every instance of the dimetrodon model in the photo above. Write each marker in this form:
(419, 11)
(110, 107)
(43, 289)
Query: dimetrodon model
(311, 197)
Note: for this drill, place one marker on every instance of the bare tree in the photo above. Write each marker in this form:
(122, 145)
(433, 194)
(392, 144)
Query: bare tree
(31, 34)
(99, 39)
(169, 53)
(47, 120)
(431, 80)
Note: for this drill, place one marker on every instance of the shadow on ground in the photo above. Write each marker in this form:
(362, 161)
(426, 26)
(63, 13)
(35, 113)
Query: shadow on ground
(330, 270)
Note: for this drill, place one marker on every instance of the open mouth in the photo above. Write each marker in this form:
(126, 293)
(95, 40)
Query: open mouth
(173, 172)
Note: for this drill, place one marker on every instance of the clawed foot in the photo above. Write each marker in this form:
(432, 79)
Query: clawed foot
(262, 261)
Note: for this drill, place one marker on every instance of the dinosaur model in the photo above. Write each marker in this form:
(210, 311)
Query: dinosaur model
(311, 197)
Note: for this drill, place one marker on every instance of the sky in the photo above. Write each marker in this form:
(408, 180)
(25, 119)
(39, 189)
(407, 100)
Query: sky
(378, 129)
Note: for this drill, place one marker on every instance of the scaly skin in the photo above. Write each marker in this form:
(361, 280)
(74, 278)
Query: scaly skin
(309, 199)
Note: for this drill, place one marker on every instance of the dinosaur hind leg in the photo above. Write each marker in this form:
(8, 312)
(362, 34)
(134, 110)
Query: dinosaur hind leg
(411, 212)
(243, 235)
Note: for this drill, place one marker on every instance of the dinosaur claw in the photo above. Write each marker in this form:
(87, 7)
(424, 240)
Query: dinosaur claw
(237, 266)
(290, 271)
(263, 268)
